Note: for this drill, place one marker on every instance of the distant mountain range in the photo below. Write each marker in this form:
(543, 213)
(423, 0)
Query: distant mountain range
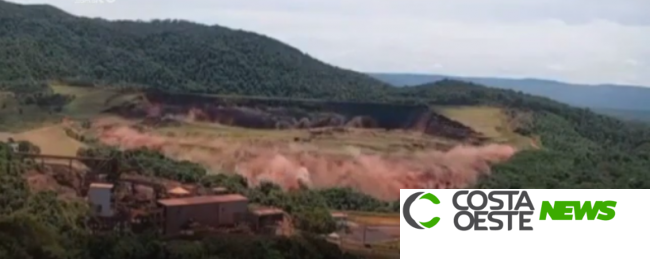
(630, 102)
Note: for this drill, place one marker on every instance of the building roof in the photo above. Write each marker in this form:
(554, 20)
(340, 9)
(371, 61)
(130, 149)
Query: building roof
(338, 214)
(178, 191)
(202, 200)
(101, 185)
(267, 211)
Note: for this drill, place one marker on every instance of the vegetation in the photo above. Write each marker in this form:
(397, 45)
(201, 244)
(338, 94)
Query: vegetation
(38, 225)
(629, 115)
(581, 149)
(619, 100)
(43, 43)
(39, 44)
(310, 208)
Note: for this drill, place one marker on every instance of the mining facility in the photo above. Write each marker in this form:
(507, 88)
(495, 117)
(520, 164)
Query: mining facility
(130, 201)
(185, 212)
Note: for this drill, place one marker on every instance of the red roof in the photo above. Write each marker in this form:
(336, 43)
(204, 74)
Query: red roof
(202, 200)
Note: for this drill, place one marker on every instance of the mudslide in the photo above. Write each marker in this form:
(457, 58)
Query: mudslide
(378, 175)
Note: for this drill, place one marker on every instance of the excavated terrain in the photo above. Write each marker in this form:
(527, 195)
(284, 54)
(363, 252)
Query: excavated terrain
(374, 148)
(285, 160)
(290, 114)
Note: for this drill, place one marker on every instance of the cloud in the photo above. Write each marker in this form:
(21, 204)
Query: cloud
(557, 67)
(633, 62)
(592, 41)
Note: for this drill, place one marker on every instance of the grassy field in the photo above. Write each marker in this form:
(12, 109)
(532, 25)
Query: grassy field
(52, 140)
(490, 121)
(368, 140)
(15, 117)
(369, 218)
(89, 101)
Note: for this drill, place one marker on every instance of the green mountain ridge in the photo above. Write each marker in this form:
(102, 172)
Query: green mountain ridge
(628, 115)
(44, 43)
(607, 97)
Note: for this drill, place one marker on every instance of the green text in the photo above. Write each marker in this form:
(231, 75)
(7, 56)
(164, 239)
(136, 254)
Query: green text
(562, 210)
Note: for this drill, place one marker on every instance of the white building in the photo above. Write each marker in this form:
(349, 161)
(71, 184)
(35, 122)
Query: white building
(99, 196)
(14, 146)
(341, 220)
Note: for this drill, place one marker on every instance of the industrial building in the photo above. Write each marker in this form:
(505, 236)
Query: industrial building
(135, 202)
(182, 211)
(100, 198)
(266, 220)
(341, 219)
(212, 211)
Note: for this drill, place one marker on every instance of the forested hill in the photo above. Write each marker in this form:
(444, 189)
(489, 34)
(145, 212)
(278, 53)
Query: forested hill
(580, 149)
(612, 99)
(41, 42)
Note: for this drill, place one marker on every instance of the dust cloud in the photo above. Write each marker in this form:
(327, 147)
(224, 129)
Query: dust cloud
(378, 175)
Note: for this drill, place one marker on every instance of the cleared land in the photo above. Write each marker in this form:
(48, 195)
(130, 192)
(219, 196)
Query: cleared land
(90, 101)
(52, 140)
(371, 159)
(492, 122)
(325, 140)
(374, 218)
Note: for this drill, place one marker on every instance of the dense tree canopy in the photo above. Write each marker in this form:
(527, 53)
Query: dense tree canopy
(44, 43)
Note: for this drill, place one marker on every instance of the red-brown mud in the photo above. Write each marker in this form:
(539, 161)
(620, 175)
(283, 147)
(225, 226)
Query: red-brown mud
(378, 175)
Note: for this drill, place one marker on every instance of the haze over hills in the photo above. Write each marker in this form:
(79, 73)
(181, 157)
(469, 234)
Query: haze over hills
(620, 100)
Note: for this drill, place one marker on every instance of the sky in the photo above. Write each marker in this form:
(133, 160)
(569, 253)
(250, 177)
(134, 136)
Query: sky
(580, 41)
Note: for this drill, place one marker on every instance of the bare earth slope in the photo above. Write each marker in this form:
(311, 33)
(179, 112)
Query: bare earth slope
(375, 148)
